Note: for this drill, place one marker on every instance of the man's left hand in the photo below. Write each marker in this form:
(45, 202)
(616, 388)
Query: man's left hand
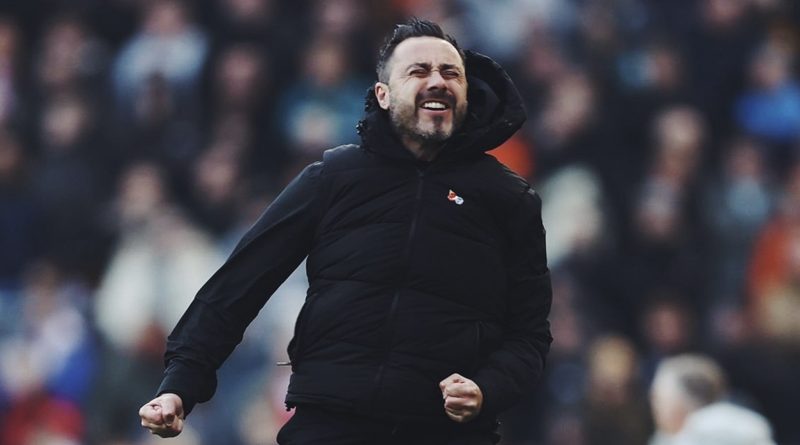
(462, 398)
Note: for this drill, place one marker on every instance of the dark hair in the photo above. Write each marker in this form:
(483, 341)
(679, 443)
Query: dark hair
(413, 28)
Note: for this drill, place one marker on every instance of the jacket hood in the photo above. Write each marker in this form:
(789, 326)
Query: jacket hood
(495, 112)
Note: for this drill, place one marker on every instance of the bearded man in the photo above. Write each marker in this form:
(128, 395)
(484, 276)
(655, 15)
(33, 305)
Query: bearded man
(426, 314)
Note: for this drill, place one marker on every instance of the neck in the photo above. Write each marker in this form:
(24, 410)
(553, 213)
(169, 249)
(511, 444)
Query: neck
(424, 151)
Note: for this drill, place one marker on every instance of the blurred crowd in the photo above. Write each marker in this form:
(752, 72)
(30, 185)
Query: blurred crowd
(140, 138)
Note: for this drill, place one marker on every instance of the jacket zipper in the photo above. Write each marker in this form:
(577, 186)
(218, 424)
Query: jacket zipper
(395, 300)
(477, 357)
(417, 204)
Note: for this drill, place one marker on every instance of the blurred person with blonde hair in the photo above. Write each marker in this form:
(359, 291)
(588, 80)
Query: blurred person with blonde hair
(687, 398)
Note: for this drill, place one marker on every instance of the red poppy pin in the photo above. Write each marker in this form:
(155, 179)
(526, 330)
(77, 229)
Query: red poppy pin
(451, 195)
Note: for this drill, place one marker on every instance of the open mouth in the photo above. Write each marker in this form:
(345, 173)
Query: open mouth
(434, 105)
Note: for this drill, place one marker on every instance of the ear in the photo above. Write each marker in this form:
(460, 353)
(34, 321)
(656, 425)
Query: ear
(382, 94)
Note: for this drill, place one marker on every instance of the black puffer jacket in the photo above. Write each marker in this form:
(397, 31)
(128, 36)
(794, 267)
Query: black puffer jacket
(417, 270)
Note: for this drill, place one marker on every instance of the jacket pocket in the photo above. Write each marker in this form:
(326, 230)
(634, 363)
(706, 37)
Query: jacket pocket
(299, 341)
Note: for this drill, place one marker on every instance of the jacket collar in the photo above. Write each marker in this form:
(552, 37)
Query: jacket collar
(494, 114)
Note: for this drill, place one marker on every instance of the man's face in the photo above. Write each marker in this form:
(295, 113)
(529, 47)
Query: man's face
(427, 91)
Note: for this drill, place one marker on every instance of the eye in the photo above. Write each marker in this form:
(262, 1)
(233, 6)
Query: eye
(418, 72)
(452, 74)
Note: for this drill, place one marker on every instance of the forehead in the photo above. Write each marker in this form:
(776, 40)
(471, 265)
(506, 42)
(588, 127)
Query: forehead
(430, 50)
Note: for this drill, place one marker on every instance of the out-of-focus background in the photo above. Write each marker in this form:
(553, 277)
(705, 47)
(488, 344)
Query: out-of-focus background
(140, 138)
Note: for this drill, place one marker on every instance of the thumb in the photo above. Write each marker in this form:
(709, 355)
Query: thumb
(168, 410)
(452, 378)
(458, 378)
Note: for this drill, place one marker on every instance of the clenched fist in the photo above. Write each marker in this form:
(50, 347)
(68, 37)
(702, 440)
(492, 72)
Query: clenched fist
(462, 398)
(163, 416)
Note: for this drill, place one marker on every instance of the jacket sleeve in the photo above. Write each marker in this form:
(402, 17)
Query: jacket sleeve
(216, 319)
(515, 368)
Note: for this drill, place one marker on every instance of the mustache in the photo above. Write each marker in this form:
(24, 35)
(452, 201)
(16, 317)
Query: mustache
(438, 95)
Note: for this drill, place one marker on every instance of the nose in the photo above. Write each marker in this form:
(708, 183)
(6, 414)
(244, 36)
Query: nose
(436, 81)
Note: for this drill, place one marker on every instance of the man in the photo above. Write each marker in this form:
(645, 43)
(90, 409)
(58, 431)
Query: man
(687, 403)
(426, 314)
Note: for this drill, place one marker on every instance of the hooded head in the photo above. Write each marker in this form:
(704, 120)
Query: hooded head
(428, 94)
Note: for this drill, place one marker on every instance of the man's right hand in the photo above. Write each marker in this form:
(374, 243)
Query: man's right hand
(163, 416)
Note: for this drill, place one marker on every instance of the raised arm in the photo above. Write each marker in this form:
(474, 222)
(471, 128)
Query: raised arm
(215, 321)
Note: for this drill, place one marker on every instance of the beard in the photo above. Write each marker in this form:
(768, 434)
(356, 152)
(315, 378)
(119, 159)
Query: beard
(407, 122)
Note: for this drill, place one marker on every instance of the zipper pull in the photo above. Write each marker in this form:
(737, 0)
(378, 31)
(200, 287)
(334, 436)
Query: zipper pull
(283, 363)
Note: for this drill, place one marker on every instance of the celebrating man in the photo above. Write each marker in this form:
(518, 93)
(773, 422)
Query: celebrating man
(426, 313)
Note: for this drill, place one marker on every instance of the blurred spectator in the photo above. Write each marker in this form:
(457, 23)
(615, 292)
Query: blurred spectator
(70, 58)
(68, 184)
(269, 27)
(72, 62)
(616, 408)
(650, 78)
(161, 131)
(169, 46)
(583, 249)
(48, 364)
(217, 190)
(565, 134)
(572, 191)
(668, 328)
(717, 45)
(320, 110)
(738, 202)
(687, 400)
(666, 245)
(241, 79)
(770, 109)
(775, 270)
(657, 71)
(543, 62)
(601, 27)
(337, 19)
(158, 264)
(242, 112)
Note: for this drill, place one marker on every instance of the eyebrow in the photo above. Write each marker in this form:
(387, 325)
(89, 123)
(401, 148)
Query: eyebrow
(428, 66)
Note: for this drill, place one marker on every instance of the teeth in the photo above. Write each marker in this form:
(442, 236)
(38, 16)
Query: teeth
(434, 105)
